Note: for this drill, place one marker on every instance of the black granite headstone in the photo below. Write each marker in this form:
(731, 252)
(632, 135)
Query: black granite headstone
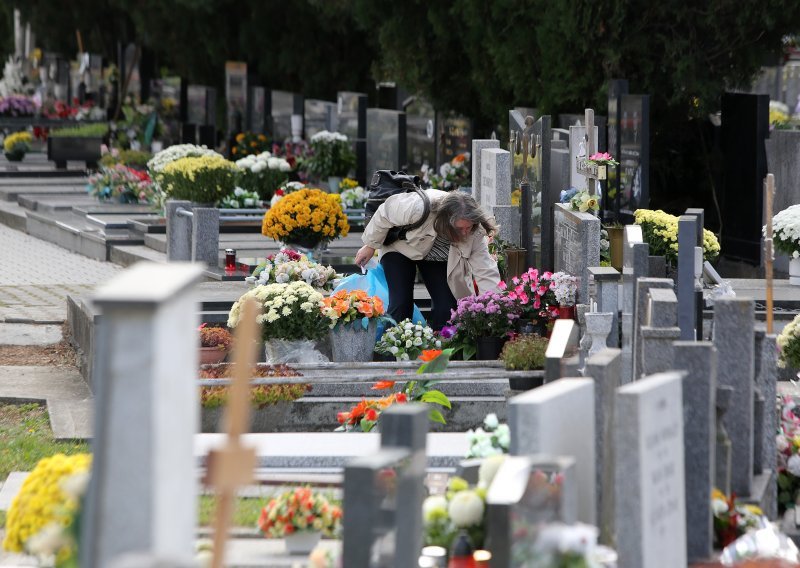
(634, 155)
(611, 196)
(352, 112)
(420, 135)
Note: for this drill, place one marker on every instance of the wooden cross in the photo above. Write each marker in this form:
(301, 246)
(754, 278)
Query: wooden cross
(769, 193)
(590, 172)
(232, 465)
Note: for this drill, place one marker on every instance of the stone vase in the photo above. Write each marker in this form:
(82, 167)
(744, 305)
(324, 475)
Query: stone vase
(302, 542)
(794, 272)
(598, 326)
(333, 184)
(353, 342)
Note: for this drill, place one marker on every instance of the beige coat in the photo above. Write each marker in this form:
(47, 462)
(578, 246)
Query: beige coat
(466, 260)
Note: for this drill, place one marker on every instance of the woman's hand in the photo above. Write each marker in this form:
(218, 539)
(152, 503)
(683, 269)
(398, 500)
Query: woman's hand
(364, 254)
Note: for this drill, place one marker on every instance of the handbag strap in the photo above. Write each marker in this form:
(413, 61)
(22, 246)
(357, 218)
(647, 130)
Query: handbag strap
(426, 210)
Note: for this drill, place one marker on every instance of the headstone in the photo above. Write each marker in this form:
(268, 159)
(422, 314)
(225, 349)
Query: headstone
(745, 120)
(643, 287)
(635, 254)
(699, 360)
(766, 381)
(576, 245)
(563, 341)
(386, 134)
(235, 96)
(477, 147)
(558, 419)
(660, 331)
(735, 342)
(616, 88)
(783, 161)
(649, 490)
(454, 136)
(421, 136)
(559, 170)
(256, 110)
(352, 116)
(604, 368)
(526, 493)
(496, 192)
(143, 490)
(202, 104)
(722, 448)
(606, 282)
(383, 494)
(634, 155)
(687, 241)
(318, 116)
(282, 106)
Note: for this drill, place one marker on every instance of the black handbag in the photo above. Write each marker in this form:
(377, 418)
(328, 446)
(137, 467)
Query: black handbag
(386, 183)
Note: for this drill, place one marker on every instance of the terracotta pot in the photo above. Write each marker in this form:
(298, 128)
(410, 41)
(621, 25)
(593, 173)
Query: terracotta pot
(211, 355)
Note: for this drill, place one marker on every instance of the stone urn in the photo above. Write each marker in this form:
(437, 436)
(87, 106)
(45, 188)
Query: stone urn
(598, 326)
(353, 342)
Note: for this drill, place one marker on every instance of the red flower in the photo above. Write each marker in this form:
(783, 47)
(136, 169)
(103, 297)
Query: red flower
(371, 415)
(341, 417)
(401, 398)
(430, 354)
(383, 385)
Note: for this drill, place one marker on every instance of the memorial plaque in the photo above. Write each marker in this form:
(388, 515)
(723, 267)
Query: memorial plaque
(634, 155)
(421, 136)
(454, 136)
(235, 96)
(386, 140)
(318, 116)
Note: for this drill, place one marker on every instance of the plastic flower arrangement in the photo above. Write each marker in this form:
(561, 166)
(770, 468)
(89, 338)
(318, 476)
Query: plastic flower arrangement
(564, 287)
(332, 155)
(42, 500)
(490, 314)
(173, 153)
(351, 307)
(17, 105)
(461, 508)
(290, 266)
(732, 519)
(602, 159)
(289, 311)
(407, 340)
(122, 183)
(203, 179)
(248, 143)
(788, 445)
(660, 231)
(16, 145)
(789, 344)
(353, 196)
(786, 231)
(452, 174)
(241, 199)
(493, 439)
(584, 202)
(306, 215)
(299, 510)
(533, 293)
(364, 416)
(262, 173)
(218, 337)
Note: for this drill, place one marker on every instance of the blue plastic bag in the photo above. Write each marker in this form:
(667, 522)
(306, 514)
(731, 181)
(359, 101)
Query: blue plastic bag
(374, 284)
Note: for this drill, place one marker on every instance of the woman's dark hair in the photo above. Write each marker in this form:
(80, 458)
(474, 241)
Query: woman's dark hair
(459, 205)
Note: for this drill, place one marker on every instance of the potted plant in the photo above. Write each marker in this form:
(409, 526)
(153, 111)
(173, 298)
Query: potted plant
(17, 106)
(732, 519)
(79, 143)
(16, 145)
(134, 159)
(332, 158)
(306, 219)
(660, 232)
(122, 183)
(407, 340)
(353, 196)
(485, 321)
(452, 174)
(602, 160)
(789, 345)
(291, 320)
(201, 179)
(524, 353)
(241, 199)
(214, 344)
(353, 321)
(300, 516)
(533, 293)
(564, 287)
(786, 238)
(262, 173)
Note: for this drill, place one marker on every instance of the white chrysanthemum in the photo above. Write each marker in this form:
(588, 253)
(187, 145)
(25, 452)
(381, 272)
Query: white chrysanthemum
(433, 504)
(466, 509)
(491, 422)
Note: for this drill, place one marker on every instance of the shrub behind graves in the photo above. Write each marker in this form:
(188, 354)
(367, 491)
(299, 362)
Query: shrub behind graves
(202, 179)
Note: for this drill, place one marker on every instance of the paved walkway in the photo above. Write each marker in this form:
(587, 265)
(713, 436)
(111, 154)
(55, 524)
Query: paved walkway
(36, 277)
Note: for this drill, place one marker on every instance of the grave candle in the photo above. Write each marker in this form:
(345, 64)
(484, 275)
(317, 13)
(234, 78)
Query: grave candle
(230, 259)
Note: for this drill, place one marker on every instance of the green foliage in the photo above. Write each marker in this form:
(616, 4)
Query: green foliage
(261, 396)
(215, 337)
(525, 353)
(131, 158)
(94, 130)
(333, 156)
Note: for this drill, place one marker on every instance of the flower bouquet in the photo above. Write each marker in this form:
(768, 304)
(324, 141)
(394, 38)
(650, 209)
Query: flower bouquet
(786, 231)
(452, 174)
(17, 105)
(534, 295)
(290, 266)
(484, 320)
(364, 416)
(788, 445)
(778, 115)
(493, 439)
(584, 202)
(249, 143)
(332, 155)
(732, 519)
(297, 511)
(16, 145)
(353, 321)
(461, 508)
(565, 288)
(407, 340)
(789, 345)
(202, 179)
(353, 196)
(241, 199)
(297, 154)
(168, 155)
(262, 173)
(122, 183)
(214, 344)
(602, 159)
(660, 232)
(306, 218)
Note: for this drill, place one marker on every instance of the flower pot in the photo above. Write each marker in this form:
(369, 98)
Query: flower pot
(15, 156)
(615, 240)
(308, 245)
(794, 272)
(566, 312)
(489, 348)
(353, 342)
(211, 355)
(302, 542)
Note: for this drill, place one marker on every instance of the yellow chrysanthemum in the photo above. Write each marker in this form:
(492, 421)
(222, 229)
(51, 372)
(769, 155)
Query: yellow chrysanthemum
(306, 213)
(17, 139)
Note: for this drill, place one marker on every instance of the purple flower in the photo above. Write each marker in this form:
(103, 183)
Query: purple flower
(448, 331)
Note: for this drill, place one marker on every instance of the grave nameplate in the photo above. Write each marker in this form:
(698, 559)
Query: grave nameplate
(319, 116)
(649, 490)
(421, 136)
(386, 140)
(576, 240)
(634, 155)
(235, 95)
